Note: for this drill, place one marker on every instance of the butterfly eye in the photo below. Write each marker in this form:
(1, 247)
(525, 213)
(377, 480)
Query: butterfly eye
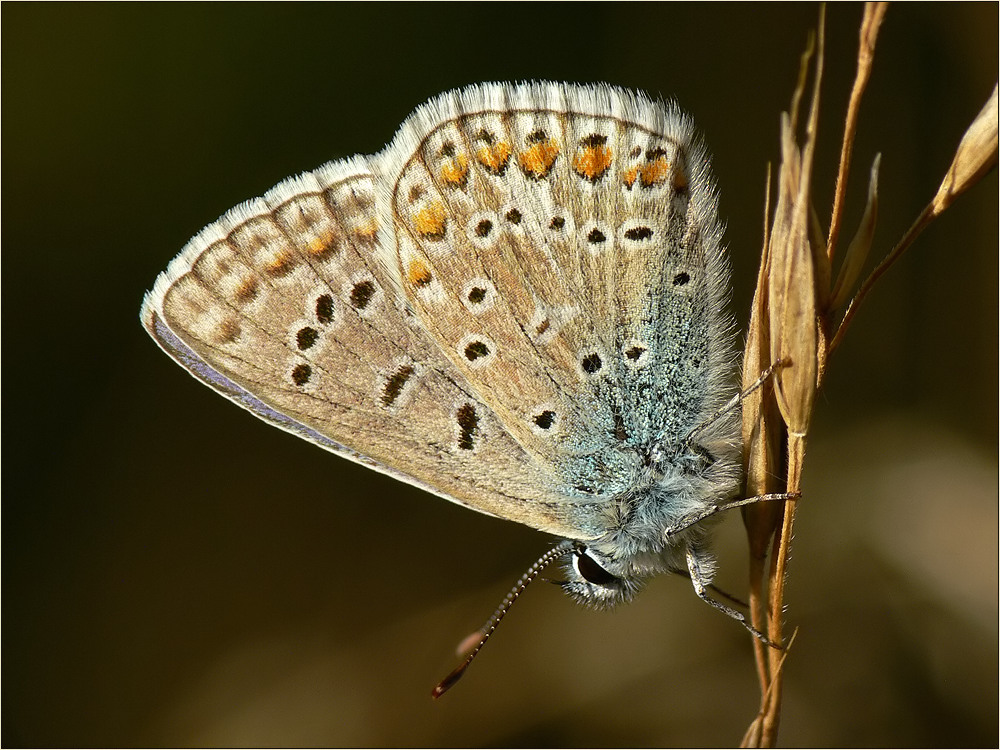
(592, 572)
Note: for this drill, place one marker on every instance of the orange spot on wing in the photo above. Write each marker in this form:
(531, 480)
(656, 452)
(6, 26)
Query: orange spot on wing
(592, 162)
(227, 331)
(680, 179)
(418, 273)
(455, 170)
(537, 159)
(320, 247)
(494, 156)
(247, 290)
(366, 231)
(430, 221)
(281, 263)
(655, 172)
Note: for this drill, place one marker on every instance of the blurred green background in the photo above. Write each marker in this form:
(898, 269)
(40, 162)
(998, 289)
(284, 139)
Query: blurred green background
(176, 572)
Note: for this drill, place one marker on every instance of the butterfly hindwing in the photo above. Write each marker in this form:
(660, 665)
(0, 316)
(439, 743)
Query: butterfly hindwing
(559, 244)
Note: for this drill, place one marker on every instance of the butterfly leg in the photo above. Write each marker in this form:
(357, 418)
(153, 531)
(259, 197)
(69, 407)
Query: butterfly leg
(690, 520)
(739, 397)
(699, 566)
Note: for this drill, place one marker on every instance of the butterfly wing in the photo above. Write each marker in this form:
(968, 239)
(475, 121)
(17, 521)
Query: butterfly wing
(514, 309)
(560, 245)
(282, 307)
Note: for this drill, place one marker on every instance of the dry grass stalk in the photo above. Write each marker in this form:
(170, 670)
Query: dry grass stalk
(870, 24)
(792, 316)
(782, 324)
(975, 157)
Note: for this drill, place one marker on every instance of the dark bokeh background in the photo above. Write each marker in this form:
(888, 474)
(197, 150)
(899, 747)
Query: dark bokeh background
(176, 572)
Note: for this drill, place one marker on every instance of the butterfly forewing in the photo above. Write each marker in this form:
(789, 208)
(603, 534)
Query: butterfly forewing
(283, 307)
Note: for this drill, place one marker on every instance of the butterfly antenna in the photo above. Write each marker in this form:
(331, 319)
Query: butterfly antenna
(560, 550)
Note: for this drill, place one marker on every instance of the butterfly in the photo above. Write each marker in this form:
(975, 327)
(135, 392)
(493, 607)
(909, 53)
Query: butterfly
(518, 305)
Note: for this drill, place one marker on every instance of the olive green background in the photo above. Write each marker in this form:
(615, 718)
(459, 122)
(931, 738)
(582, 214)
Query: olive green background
(176, 572)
